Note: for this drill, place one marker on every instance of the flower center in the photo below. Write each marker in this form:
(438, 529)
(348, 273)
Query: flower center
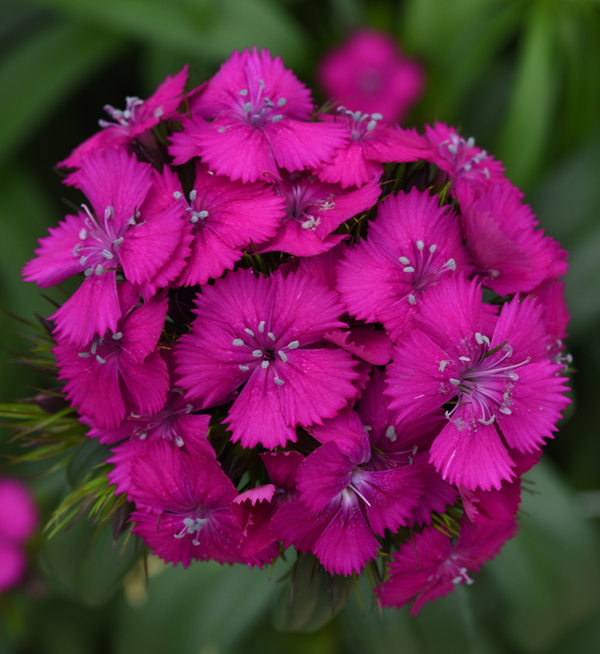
(463, 155)
(360, 124)
(257, 110)
(487, 381)
(125, 118)
(425, 268)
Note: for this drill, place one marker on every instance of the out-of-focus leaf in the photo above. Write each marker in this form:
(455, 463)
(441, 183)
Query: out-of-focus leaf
(86, 562)
(529, 122)
(549, 573)
(310, 598)
(205, 608)
(201, 28)
(567, 206)
(457, 42)
(38, 73)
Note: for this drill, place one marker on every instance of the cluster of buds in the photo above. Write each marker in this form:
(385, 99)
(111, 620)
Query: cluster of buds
(306, 329)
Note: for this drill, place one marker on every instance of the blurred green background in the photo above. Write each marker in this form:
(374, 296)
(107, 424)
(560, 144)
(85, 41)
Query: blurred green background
(523, 78)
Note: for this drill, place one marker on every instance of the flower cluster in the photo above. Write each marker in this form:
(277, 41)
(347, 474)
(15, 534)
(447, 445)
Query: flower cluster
(307, 329)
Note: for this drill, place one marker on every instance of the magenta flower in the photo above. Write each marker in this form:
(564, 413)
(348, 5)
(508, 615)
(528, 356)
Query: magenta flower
(462, 159)
(264, 334)
(18, 520)
(192, 496)
(551, 295)
(506, 391)
(432, 566)
(372, 143)
(124, 235)
(349, 503)
(314, 210)
(121, 368)
(369, 73)
(509, 254)
(224, 217)
(412, 244)
(260, 115)
(134, 121)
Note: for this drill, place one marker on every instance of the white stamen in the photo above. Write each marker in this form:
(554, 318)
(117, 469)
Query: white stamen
(371, 125)
(432, 248)
(117, 336)
(420, 245)
(452, 148)
(244, 92)
(454, 382)
(83, 233)
(487, 422)
(451, 264)
(257, 353)
(278, 381)
(193, 194)
(118, 241)
(277, 118)
(238, 342)
(264, 364)
(293, 345)
(99, 269)
(99, 359)
(443, 365)
(412, 299)
(376, 116)
(404, 261)
(247, 107)
(109, 212)
(244, 368)
(409, 269)
(107, 254)
(261, 326)
(178, 195)
(464, 358)
(249, 331)
(88, 272)
(281, 102)
(283, 356)
(84, 355)
(271, 335)
(390, 433)
(505, 410)
(178, 440)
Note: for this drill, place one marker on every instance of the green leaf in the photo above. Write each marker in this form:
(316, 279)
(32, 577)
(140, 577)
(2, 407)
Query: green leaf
(204, 608)
(550, 573)
(87, 456)
(86, 563)
(200, 28)
(37, 74)
(310, 598)
(524, 138)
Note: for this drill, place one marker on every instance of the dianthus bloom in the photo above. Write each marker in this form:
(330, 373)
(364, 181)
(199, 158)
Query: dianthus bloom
(18, 520)
(368, 73)
(281, 330)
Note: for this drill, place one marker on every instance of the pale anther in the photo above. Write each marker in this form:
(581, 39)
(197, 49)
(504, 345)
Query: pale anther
(249, 331)
(454, 382)
(109, 212)
(420, 245)
(244, 368)
(390, 433)
(432, 248)
(257, 353)
(264, 364)
(281, 102)
(376, 116)
(277, 118)
(117, 336)
(83, 233)
(404, 261)
(278, 381)
(99, 269)
(271, 335)
(412, 299)
(293, 345)
(409, 269)
(193, 194)
(452, 148)
(118, 241)
(99, 359)
(238, 342)
(244, 92)
(464, 358)
(84, 355)
(371, 125)
(177, 195)
(261, 326)
(107, 254)
(283, 356)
